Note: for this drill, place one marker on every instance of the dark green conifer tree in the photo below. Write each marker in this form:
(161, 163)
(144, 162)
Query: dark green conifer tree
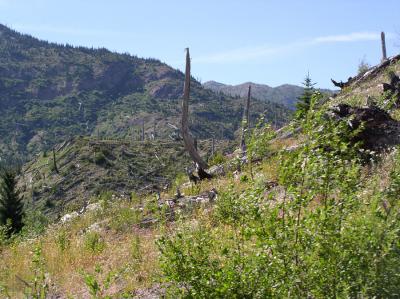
(11, 205)
(304, 101)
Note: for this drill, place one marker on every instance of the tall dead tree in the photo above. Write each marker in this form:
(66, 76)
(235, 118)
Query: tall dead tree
(383, 41)
(55, 161)
(187, 138)
(142, 137)
(245, 122)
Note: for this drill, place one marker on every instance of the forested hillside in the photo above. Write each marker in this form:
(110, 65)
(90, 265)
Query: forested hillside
(50, 93)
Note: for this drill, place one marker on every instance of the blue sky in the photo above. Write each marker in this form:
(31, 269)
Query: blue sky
(231, 41)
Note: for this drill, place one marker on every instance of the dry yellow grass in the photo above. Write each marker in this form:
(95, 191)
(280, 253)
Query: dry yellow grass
(130, 255)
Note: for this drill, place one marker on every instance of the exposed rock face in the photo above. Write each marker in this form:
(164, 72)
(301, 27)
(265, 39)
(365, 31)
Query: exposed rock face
(380, 129)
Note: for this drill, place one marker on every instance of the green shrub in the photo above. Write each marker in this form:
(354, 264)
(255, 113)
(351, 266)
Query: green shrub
(124, 218)
(38, 286)
(62, 240)
(217, 159)
(259, 144)
(94, 242)
(35, 223)
(97, 287)
(136, 250)
(323, 238)
(100, 158)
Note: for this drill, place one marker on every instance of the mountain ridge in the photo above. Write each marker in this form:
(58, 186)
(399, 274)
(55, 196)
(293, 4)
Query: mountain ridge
(284, 94)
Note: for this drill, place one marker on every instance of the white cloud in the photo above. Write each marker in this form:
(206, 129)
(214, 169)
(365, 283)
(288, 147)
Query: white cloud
(240, 54)
(270, 52)
(351, 37)
(248, 53)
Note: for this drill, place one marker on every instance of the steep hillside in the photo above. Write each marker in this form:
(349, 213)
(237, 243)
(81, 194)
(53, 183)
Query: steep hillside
(50, 93)
(368, 89)
(88, 167)
(285, 94)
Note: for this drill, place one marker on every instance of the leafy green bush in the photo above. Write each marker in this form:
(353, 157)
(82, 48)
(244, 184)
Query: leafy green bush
(97, 287)
(258, 145)
(217, 159)
(38, 286)
(325, 237)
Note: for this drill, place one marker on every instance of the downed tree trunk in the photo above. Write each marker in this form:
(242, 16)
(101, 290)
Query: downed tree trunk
(372, 72)
(380, 130)
(341, 84)
(187, 138)
(55, 161)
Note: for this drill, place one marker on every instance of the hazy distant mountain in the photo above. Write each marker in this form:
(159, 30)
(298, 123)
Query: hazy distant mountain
(285, 94)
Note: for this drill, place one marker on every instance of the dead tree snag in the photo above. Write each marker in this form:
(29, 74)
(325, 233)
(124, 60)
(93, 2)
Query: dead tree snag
(187, 138)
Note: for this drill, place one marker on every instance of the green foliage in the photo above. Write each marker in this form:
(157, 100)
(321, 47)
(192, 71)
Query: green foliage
(92, 285)
(97, 287)
(94, 242)
(4, 238)
(39, 287)
(259, 143)
(323, 237)
(244, 178)
(11, 205)
(136, 250)
(125, 218)
(35, 223)
(217, 159)
(304, 101)
(62, 240)
(363, 66)
(100, 158)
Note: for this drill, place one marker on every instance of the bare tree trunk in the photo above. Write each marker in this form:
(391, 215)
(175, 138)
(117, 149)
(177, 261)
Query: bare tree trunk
(384, 57)
(54, 161)
(142, 130)
(187, 139)
(246, 124)
(212, 147)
